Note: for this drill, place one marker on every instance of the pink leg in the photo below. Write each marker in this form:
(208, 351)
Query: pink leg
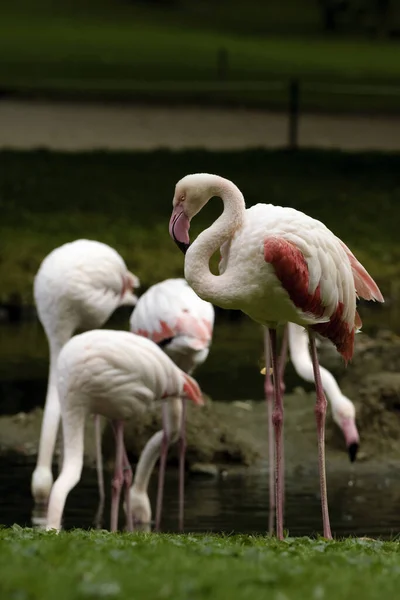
(118, 473)
(182, 453)
(277, 419)
(161, 472)
(320, 413)
(281, 370)
(269, 396)
(128, 482)
(98, 520)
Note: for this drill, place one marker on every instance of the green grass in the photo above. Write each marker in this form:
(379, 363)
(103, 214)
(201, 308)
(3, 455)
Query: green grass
(127, 52)
(125, 200)
(78, 565)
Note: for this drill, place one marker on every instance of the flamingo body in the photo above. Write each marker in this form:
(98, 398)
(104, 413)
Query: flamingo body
(173, 316)
(78, 286)
(279, 266)
(113, 373)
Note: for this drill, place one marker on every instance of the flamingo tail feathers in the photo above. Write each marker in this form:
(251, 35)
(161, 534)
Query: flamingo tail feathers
(365, 286)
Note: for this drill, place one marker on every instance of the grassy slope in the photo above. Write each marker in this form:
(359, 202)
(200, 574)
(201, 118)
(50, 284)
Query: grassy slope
(124, 199)
(109, 51)
(95, 565)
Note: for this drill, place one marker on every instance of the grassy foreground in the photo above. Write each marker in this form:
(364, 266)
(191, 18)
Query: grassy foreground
(125, 200)
(124, 51)
(44, 566)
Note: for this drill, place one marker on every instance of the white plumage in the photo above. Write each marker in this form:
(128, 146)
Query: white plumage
(172, 315)
(278, 265)
(78, 286)
(116, 374)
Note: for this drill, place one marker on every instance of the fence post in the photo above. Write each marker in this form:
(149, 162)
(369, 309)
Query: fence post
(293, 117)
(222, 64)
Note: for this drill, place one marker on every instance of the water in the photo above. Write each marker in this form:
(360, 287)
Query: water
(363, 498)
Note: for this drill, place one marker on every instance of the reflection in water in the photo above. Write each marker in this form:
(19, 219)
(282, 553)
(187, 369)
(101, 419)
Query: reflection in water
(362, 502)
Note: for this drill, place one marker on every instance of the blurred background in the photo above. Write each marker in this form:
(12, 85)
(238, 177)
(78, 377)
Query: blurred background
(103, 107)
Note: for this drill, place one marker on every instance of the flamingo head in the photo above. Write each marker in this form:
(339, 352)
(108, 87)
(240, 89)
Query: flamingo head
(191, 194)
(129, 283)
(345, 417)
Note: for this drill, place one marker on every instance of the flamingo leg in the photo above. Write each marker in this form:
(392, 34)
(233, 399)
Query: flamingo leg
(98, 520)
(118, 474)
(269, 397)
(161, 472)
(182, 453)
(320, 413)
(277, 420)
(281, 372)
(128, 478)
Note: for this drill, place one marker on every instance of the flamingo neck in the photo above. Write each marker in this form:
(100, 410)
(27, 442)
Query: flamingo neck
(51, 415)
(215, 288)
(301, 359)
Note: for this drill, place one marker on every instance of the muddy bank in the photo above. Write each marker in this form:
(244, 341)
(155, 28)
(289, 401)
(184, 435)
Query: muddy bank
(235, 433)
(219, 433)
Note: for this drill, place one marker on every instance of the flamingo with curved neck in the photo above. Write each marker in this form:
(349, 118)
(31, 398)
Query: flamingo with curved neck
(278, 265)
(78, 286)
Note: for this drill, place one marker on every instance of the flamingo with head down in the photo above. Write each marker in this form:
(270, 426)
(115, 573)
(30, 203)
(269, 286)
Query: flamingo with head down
(116, 374)
(78, 286)
(278, 265)
(172, 315)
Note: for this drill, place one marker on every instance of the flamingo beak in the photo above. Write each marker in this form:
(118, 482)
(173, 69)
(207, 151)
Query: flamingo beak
(351, 436)
(179, 226)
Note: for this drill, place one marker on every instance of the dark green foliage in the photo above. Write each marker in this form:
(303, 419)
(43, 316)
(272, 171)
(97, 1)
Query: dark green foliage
(124, 199)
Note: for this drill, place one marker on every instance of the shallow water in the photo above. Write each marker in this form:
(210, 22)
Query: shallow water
(364, 498)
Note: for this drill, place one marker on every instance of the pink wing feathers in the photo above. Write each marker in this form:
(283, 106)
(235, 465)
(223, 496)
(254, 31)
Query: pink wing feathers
(291, 268)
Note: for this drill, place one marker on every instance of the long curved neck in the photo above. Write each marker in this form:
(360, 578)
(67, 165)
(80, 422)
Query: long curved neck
(301, 359)
(51, 415)
(151, 452)
(197, 262)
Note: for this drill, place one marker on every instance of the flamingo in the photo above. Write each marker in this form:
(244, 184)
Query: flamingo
(343, 409)
(278, 265)
(116, 374)
(172, 315)
(78, 286)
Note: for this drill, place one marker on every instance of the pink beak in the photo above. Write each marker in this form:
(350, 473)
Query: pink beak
(351, 437)
(179, 226)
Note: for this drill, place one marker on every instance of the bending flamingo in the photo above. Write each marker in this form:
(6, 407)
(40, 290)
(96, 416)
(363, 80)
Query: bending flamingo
(78, 286)
(172, 315)
(116, 374)
(277, 265)
(343, 410)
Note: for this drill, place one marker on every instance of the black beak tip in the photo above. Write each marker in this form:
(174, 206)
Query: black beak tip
(182, 246)
(353, 449)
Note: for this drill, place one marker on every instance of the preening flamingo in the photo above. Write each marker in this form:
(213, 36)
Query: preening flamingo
(78, 286)
(278, 265)
(116, 374)
(173, 316)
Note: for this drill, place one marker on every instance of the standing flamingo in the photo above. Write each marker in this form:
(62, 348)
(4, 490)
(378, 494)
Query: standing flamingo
(116, 374)
(172, 315)
(277, 265)
(78, 286)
